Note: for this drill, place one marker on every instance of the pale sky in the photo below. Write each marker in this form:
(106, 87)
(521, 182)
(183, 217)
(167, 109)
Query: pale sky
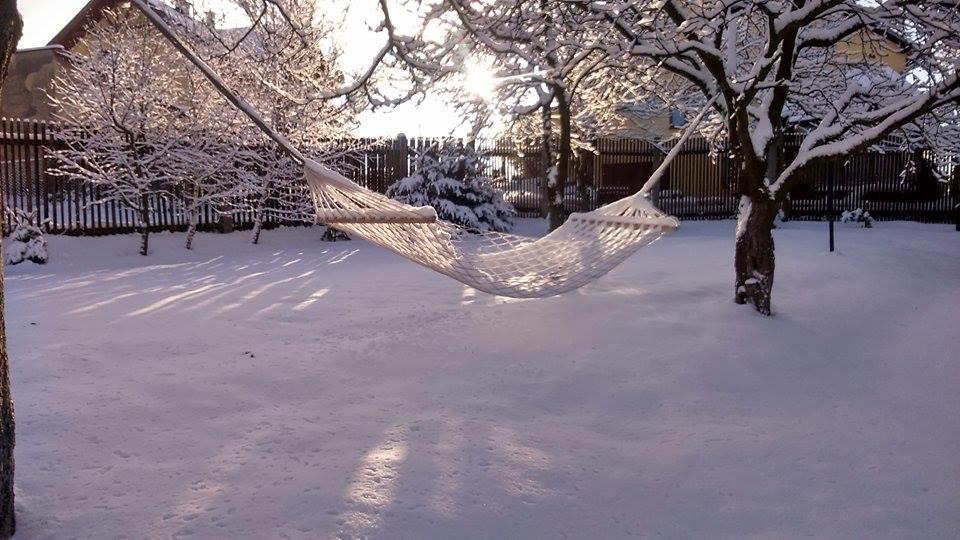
(44, 18)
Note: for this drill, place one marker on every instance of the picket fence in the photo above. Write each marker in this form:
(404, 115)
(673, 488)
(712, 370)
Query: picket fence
(700, 184)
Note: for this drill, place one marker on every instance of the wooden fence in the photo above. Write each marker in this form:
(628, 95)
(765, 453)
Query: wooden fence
(700, 184)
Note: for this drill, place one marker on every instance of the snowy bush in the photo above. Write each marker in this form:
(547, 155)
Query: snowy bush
(857, 216)
(451, 179)
(26, 242)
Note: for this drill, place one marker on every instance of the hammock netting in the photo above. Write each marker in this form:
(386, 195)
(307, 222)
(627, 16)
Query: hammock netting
(585, 247)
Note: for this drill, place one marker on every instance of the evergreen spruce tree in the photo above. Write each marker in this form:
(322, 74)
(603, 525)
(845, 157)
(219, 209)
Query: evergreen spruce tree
(26, 241)
(450, 177)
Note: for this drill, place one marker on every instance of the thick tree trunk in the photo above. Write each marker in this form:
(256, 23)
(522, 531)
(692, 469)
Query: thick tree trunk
(546, 157)
(754, 260)
(754, 257)
(144, 225)
(557, 188)
(10, 30)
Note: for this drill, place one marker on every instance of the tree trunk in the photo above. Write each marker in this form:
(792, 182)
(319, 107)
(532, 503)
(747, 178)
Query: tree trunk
(956, 198)
(257, 228)
(546, 157)
(191, 231)
(144, 225)
(584, 179)
(259, 214)
(754, 257)
(10, 30)
(556, 188)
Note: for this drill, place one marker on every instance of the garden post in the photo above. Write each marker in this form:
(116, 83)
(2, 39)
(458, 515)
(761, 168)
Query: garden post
(397, 161)
(830, 174)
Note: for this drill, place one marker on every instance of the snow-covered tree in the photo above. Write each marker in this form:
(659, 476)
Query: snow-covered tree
(450, 178)
(284, 62)
(848, 74)
(136, 121)
(543, 78)
(26, 240)
(534, 65)
(209, 179)
(542, 71)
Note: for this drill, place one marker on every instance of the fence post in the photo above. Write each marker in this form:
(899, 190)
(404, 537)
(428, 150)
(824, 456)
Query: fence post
(225, 221)
(655, 192)
(956, 197)
(397, 163)
(830, 180)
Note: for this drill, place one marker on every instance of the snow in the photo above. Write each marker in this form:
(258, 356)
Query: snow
(307, 390)
(552, 174)
(743, 214)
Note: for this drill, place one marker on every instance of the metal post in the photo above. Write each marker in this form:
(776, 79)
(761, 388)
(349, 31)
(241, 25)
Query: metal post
(832, 165)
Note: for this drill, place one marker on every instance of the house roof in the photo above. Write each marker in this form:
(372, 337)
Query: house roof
(74, 30)
(38, 49)
(93, 11)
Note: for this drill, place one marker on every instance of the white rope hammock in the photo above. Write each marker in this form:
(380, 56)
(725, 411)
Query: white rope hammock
(585, 247)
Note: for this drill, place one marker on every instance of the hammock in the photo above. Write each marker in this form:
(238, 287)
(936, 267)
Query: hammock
(585, 247)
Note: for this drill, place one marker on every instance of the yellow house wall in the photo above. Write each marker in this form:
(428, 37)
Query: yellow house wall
(857, 49)
(25, 92)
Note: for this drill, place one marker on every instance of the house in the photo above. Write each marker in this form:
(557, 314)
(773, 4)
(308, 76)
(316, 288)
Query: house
(28, 90)
(29, 79)
(652, 121)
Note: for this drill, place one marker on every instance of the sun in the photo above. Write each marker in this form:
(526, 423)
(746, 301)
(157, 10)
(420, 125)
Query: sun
(479, 80)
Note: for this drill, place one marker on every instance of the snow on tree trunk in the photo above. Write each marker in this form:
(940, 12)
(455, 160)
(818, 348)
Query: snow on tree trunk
(10, 30)
(754, 259)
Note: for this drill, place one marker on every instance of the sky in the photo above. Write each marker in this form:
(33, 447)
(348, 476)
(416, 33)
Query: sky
(44, 18)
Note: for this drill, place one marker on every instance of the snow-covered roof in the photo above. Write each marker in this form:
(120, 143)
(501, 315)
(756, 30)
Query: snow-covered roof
(37, 49)
(93, 11)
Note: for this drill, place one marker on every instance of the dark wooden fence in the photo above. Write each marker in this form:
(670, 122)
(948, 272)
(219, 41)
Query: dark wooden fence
(69, 206)
(700, 184)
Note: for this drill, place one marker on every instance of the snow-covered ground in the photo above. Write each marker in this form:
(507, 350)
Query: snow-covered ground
(307, 390)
